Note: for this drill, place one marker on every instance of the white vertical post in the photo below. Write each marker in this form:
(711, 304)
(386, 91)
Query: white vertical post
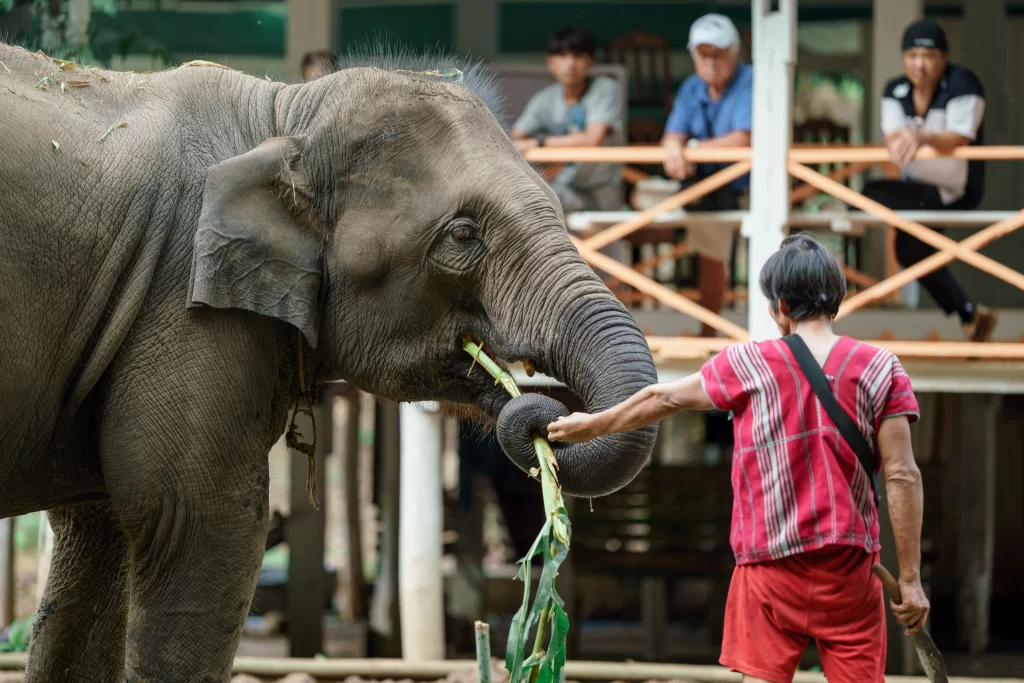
(421, 586)
(310, 27)
(774, 37)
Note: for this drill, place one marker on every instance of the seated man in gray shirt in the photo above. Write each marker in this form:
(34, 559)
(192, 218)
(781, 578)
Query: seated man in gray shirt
(577, 111)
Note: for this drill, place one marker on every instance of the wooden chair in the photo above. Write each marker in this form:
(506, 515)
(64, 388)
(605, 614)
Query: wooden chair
(648, 57)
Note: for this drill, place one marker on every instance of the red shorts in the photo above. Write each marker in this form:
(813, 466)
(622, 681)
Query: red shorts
(774, 609)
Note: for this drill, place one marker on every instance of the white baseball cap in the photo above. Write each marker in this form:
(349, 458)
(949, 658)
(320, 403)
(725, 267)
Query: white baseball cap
(713, 29)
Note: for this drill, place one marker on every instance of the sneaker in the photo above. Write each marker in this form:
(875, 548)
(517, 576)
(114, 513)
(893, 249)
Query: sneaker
(980, 330)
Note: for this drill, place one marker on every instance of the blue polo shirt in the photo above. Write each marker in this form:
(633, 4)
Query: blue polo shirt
(696, 115)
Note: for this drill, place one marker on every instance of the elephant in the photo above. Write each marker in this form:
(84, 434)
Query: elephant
(215, 243)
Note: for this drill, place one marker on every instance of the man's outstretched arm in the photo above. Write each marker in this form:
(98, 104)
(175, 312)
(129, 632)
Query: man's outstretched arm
(647, 406)
(906, 503)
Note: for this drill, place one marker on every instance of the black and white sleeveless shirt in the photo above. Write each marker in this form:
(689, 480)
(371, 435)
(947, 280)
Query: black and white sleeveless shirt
(958, 105)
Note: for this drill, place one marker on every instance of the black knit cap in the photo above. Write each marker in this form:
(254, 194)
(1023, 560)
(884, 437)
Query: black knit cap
(925, 33)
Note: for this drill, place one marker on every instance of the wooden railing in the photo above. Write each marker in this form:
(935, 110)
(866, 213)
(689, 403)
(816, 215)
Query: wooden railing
(800, 157)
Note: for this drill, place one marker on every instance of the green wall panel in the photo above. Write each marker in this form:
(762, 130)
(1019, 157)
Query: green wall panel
(412, 26)
(242, 32)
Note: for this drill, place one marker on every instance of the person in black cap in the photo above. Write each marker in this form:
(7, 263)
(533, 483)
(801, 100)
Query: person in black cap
(940, 105)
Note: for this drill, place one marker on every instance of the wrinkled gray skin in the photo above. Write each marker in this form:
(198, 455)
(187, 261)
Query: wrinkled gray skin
(153, 288)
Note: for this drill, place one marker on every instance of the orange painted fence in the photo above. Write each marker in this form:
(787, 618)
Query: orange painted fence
(800, 155)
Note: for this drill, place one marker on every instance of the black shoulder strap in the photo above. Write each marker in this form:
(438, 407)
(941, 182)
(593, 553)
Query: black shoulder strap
(816, 377)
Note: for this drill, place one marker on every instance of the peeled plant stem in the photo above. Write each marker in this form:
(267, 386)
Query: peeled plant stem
(554, 509)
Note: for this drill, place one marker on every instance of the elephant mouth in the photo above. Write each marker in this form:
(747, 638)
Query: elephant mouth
(485, 392)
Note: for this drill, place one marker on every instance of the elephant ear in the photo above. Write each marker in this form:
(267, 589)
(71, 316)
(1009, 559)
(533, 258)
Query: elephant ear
(250, 251)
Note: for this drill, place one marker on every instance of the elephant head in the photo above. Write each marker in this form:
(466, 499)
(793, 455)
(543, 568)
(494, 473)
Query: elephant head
(390, 216)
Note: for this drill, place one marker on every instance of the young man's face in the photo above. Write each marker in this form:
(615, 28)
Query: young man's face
(924, 66)
(715, 66)
(570, 68)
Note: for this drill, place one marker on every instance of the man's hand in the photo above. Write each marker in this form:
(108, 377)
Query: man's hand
(576, 428)
(903, 145)
(913, 611)
(523, 144)
(676, 167)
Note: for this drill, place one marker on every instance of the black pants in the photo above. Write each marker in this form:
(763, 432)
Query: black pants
(901, 195)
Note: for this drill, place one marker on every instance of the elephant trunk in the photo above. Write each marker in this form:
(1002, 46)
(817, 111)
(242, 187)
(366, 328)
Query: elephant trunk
(601, 355)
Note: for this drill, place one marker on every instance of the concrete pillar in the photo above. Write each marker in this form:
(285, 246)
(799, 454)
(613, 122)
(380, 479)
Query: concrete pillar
(774, 54)
(985, 52)
(476, 28)
(421, 517)
(311, 26)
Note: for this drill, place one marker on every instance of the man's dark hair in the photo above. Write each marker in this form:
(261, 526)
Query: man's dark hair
(575, 39)
(806, 276)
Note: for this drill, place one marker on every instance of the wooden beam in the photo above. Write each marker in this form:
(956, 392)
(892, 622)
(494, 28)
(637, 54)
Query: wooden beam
(975, 460)
(700, 347)
(930, 264)
(658, 291)
(802, 153)
(353, 510)
(688, 195)
(926, 235)
(306, 539)
(384, 606)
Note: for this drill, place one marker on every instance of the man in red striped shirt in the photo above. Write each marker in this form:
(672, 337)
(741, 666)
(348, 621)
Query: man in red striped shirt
(804, 521)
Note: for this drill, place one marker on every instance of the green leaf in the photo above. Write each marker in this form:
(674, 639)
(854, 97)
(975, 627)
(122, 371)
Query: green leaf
(6, 6)
(554, 659)
(517, 634)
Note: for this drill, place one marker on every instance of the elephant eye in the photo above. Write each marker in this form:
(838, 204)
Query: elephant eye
(464, 231)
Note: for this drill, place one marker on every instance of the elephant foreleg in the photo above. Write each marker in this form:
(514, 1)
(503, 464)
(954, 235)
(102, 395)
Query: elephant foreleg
(79, 629)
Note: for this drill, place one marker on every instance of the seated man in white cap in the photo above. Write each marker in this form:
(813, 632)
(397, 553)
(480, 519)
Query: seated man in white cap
(713, 108)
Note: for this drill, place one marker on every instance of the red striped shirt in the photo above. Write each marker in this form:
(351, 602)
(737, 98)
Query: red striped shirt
(797, 485)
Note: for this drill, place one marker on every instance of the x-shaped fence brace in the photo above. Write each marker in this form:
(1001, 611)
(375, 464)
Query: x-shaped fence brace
(859, 159)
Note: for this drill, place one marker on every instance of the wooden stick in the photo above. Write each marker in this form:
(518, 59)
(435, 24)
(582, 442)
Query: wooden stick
(635, 154)
(799, 152)
(858, 278)
(658, 291)
(804, 191)
(483, 650)
(679, 251)
(823, 154)
(690, 194)
(930, 264)
(926, 235)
